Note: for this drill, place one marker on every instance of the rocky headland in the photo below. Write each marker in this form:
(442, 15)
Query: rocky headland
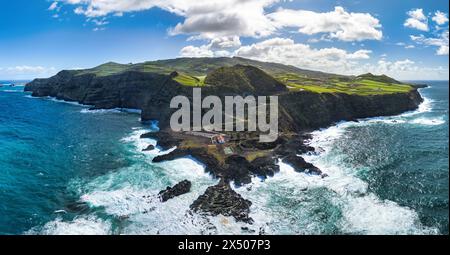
(242, 156)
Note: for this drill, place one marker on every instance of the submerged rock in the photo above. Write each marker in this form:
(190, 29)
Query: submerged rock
(176, 154)
(300, 165)
(149, 148)
(175, 191)
(78, 207)
(164, 139)
(222, 199)
(264, 167)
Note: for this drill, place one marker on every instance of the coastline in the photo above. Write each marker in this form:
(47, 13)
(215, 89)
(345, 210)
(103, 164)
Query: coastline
(304, 183)
(237, 171)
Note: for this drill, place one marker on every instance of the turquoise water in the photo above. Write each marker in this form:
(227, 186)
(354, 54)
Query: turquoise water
(387, 176)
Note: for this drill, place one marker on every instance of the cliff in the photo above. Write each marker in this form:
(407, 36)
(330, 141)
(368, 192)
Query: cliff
(151, 92)
(307, 100)
(313, 110)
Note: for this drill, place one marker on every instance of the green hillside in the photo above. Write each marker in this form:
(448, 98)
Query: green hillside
(361, 85)
(195, 72)
(244, 78)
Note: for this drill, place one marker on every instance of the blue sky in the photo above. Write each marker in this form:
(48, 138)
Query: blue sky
(405, 39)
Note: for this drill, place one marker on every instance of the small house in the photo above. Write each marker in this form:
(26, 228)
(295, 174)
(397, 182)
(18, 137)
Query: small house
(218, 139)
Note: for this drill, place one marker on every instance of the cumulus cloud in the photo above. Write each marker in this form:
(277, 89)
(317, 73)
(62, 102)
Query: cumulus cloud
(204, 19)
(225, 43)
(385, 66)
(441, 42)
(440, 18)
(218, 47)
(334, 60)
(286, 51)
(208, 19)
(405, 69)
(417, 20)
(338, 24)
(196, 52)
(218, 18)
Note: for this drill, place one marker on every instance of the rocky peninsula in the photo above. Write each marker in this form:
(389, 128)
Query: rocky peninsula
(308, 100)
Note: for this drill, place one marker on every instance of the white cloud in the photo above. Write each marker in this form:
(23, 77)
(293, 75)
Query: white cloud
(208, 19)
(286, 51)
(404, 45)
(385, 66)
(218, 18)
(333, 60)
(441, 42)
(218, 47)
(360, 54)
(440, 18)
(204, 19)
(405, 69)
(53, 6)
(196, 52)
(417, 20)
(337, 24)
(222, 43)
(100, 22)
(26, 71)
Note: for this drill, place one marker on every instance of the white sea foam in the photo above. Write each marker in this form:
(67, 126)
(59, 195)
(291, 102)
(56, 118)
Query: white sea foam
(363, 212)
(416, 117)
(370, 215)
(58, 100)
(89, 225)
(12, 91)
(135, 199)
(280, 204)
(115, 110)
(284, 204)
(425, 106)
(141, 144)
(288, 203)
(429, 121)
(93, 111)
(130, 194)
(67, 102)
(99, 111)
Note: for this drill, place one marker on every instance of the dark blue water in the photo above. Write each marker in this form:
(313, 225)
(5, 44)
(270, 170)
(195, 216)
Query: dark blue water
(387, 175)
(411, 159)
(43, 145)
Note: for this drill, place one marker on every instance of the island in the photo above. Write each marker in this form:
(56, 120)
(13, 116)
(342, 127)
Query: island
(308, 100)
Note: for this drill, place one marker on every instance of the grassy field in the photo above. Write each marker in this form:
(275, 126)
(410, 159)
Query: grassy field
(188, 80)
(192, 72)
(361, 85)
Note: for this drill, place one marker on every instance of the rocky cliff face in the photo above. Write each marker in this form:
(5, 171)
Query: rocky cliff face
(312, 110)
(126, 90)
(298, 111)
(151, 93)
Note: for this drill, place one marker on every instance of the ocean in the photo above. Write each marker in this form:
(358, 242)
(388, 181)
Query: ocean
(67, 170)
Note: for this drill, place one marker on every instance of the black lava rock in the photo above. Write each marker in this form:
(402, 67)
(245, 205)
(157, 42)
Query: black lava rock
(222, 199)
(177, 190)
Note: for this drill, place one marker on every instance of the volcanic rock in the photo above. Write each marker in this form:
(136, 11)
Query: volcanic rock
(175, 191)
